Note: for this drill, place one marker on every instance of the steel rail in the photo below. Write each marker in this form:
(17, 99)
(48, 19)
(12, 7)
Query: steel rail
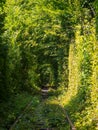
(72, 127)
(20, 116)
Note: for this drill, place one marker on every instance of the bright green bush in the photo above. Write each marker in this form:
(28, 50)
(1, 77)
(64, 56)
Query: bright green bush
(81, 97)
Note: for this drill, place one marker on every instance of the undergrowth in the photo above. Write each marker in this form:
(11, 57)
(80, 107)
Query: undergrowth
(12, 109)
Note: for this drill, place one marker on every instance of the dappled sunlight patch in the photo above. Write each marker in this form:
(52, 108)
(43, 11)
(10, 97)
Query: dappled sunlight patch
(81, 98)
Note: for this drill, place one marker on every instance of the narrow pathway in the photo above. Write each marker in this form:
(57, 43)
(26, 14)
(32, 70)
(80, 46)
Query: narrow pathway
(47, 115)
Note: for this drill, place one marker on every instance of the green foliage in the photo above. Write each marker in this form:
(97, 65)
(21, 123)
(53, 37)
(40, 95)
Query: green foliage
(12, 109)
(34, 38)
(3, 53)
(51, 43)
(81, 97)
(96, 9)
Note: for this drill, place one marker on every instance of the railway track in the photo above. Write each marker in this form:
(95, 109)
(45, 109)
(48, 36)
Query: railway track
(31, 119)
(20, 116)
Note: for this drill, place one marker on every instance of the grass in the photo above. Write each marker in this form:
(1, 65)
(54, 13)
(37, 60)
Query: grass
(12, 108)
(43, 114)
(47, 111)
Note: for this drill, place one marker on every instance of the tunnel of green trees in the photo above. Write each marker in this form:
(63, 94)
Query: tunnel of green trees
(54, 44)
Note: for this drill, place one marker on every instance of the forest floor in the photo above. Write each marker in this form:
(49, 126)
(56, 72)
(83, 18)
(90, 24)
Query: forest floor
(43, 112)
